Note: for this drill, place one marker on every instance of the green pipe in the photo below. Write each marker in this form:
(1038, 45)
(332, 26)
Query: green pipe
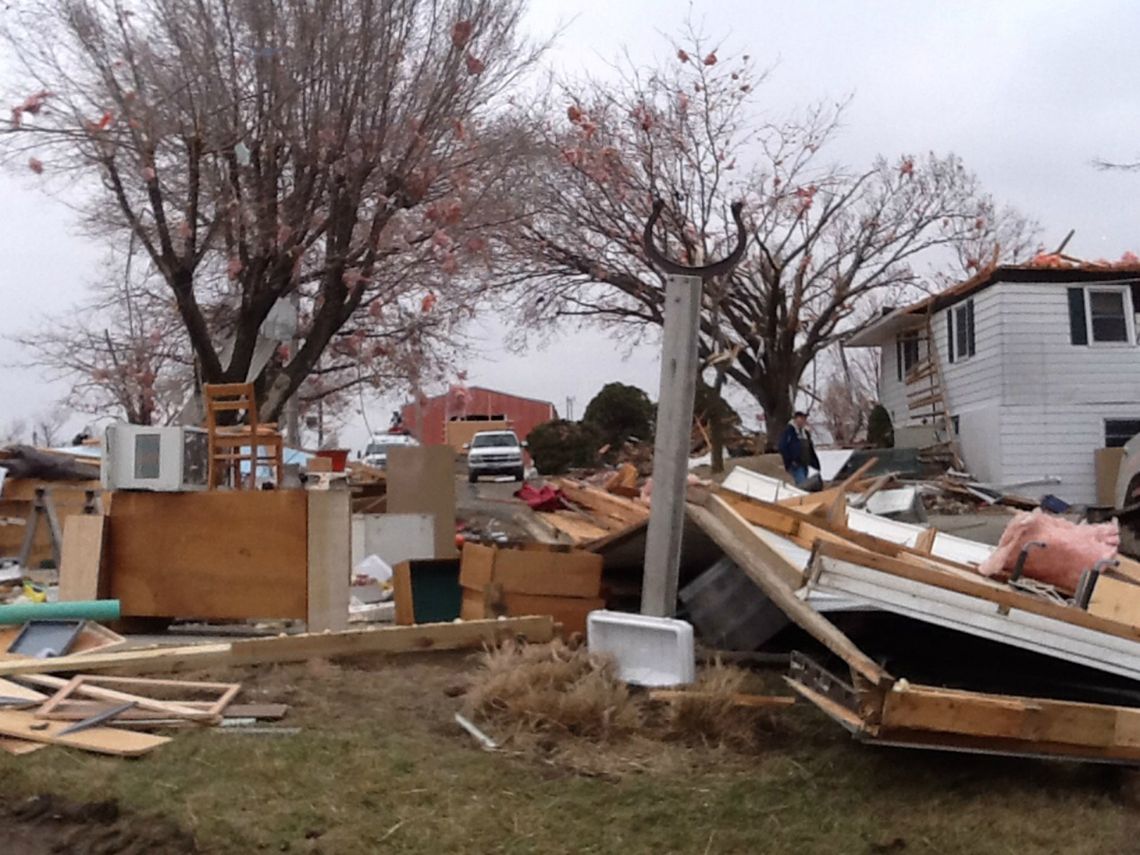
(101, 610)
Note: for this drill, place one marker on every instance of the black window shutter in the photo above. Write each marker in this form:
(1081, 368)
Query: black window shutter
(898, 355)
(970, 326)
(950, 335)
(1078, 329)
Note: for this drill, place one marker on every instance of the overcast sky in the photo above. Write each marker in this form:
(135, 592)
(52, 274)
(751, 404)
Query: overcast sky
(1028, 93)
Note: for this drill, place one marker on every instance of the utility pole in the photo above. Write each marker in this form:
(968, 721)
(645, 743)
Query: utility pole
(679, 349)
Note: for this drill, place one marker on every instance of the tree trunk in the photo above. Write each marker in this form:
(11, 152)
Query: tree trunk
(777, 414)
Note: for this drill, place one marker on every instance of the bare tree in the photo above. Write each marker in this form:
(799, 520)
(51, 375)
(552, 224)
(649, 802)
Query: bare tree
(824, 239)
(849, 392)
(123, 351)
(349, 153)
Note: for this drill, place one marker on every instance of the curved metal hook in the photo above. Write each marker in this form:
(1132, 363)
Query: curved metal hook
(707, 271)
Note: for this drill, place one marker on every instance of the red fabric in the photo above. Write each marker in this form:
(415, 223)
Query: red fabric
(1070, 548)
(546, 498)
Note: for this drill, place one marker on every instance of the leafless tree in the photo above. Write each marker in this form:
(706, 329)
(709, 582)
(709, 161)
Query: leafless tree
(823, 238)
(348, 154)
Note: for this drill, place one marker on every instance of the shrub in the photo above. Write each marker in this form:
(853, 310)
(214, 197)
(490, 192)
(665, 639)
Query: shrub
(560, 445)
(619, 412)
(880, 431)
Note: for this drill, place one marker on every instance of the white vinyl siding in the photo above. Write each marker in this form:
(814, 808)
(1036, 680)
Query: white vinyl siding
(1056, 395)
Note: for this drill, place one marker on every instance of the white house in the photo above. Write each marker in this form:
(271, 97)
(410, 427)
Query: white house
(1040, 366)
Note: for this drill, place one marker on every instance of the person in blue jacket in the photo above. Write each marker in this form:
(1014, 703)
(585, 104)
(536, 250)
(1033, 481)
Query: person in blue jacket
(797, 449)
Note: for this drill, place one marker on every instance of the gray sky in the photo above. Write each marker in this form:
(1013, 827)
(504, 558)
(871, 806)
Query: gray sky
(1028, 93)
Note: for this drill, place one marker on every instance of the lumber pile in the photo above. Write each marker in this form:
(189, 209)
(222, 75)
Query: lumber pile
(818, 556)
(597, 514)
(72, 700)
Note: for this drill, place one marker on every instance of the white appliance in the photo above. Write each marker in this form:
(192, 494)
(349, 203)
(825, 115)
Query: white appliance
(167, 459)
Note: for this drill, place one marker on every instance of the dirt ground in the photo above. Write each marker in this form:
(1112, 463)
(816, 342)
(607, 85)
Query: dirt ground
(379, 765)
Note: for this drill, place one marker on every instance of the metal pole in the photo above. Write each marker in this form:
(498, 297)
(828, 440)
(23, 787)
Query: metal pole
(671, 444)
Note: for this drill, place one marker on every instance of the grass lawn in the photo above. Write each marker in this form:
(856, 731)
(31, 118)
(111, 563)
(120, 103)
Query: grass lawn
(379, 766)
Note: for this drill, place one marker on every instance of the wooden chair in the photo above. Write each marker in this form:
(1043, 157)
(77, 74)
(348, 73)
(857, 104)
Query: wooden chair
(231, 445)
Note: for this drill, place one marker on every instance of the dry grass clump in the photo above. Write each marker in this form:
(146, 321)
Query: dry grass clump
(710, 715)
(553, 688)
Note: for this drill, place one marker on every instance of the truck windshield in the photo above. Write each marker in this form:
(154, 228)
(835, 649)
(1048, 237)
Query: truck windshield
(494, 440)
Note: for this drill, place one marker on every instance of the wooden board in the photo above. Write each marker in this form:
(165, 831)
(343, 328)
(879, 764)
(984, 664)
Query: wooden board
(329, 559)
(421, 480)
(576, 527)
(297, 648)
(103, 740)
(737, 699)
(16, 503)
(400, 639)
(778, 579)
(9, 689)
(216, 555)
(81, 558)
(625, 511)
(570, 612)
(1031, 719)
(18, 747)
(1116, 600)
(544, 572)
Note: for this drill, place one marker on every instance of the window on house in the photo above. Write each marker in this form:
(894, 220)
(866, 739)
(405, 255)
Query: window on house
(961, 342)
(906, 347)
(1099, 316)
(1119, 431)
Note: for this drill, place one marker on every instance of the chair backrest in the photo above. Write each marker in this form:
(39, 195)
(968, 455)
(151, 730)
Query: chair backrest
(229, 397)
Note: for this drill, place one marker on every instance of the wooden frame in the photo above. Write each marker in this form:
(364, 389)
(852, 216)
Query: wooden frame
(95, 687)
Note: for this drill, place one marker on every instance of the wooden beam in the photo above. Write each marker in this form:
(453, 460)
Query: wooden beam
(295, 648)
(778, 579)
(1010, 717)
(736, 699)
(925, 541)
(619, 508)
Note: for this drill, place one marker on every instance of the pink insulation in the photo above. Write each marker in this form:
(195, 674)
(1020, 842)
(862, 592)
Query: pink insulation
(1071, 548)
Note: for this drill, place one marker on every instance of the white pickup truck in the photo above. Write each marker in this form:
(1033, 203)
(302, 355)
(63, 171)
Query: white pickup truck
(495, 452)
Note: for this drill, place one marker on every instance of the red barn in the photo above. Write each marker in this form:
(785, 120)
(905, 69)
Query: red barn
(468, 409)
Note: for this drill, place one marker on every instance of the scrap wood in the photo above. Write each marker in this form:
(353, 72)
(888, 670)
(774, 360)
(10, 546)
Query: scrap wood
(737, 699)
(102, 740)
(89, 686)
(625, 478)
(808, 528)
(625, 511)
(17, 747)
(778, 579)
(537, 629)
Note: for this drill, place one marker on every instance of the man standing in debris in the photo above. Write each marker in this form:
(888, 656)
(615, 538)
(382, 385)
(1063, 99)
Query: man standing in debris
(797, 449)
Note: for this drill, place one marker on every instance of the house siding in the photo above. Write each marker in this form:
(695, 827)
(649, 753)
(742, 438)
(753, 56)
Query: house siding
(1056, 395)
(1031, 405)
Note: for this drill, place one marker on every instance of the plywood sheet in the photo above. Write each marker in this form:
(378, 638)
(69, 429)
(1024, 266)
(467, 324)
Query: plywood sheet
(215, 554)
(81, 558)
(103, 740)
(1107, 461)
(421, 480)
(543, 572)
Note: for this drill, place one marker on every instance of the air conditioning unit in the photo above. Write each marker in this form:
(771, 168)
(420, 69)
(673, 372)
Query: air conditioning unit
(166, 459)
